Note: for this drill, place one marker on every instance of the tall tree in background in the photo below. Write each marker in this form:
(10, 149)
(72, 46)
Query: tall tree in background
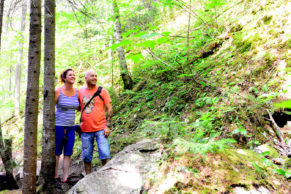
(125, 75)
(1, 18)
(48, 159)
(110, 55)
(32, 95)
(20, 58)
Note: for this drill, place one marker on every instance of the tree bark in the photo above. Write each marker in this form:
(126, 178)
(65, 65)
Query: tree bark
(125, 75)
(6, 155)
(32, 99)
(1, 18)
(48, 159)
(20, 59)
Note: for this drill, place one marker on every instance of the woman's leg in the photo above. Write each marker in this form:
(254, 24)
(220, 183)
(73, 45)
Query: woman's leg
(57, 167)
(66, 165)
(68, 151)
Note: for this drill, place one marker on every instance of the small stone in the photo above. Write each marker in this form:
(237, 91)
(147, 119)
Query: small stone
(278, 161)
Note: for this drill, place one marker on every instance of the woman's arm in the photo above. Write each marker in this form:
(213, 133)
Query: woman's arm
(78, 94)
(57, 94)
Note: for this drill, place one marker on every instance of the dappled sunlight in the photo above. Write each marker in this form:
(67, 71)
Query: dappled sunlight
(129, 179)
(193, 86)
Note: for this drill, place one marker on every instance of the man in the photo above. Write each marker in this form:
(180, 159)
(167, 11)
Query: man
(94, 123)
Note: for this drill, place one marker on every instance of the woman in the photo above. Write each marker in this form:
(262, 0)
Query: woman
(66, 98)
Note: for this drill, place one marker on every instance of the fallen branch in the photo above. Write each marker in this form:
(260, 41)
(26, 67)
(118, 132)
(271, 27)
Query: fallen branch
(278, 133)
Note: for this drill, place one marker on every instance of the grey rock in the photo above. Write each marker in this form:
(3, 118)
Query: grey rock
(272, 152)
(126, 172)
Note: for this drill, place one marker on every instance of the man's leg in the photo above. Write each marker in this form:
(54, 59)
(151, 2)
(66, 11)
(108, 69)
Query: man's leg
(104, 161)
(103, 147)
(88, 167)
(87, 150)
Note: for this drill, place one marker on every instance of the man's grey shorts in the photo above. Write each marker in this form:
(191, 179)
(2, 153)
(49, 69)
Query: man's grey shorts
(88, 142)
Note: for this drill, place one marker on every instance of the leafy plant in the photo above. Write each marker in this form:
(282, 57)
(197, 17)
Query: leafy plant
(241, 130)
(286, 173)
(184, 146)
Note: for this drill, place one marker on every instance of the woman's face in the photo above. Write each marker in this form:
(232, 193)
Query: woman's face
(70, 77)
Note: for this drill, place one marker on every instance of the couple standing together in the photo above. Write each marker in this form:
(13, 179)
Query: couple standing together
(95, 124)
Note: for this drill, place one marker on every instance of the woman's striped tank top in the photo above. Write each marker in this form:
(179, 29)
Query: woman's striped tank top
(66, 106)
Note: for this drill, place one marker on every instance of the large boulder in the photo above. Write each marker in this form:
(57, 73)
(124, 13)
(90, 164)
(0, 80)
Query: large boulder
(126, 172)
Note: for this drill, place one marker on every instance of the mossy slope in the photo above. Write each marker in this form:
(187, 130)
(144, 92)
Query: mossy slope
(218, 173)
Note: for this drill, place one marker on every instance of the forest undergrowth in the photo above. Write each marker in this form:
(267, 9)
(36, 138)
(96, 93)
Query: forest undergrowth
(202, 87)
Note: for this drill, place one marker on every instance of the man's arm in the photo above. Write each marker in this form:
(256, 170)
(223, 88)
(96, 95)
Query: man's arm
(108, 113)
(108, 108)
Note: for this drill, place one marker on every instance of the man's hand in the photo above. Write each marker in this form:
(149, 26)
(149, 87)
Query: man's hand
(106, 131)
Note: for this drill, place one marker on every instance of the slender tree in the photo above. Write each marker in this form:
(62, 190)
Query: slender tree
(125, 75)
(1, 18)
(48, 159)
(32, 95)
(110, 55)
(20, 59)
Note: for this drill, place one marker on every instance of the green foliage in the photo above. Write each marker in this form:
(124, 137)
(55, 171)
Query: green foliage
(167, 129)
(183, 146)
(283, 104)
(241, 130)
(258, 169)
(285, 173)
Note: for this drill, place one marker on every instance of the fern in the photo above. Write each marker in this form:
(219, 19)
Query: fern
(184, 146)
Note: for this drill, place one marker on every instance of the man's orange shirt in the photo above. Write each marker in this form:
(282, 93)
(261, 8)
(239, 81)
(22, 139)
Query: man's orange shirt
(93, 117)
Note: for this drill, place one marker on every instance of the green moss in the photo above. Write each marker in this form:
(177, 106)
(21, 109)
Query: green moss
(245, 44)
(269, 58)
(236, 28)
(289, 44)
(228, 167)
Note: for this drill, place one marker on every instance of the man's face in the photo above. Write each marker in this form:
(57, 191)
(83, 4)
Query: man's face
(91, 78)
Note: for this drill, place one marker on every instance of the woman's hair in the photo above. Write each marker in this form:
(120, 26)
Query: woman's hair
(64, 74)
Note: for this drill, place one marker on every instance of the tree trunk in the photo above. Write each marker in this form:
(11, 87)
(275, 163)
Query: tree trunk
(32, 95)
(48, 159)
(125, 75)
(10, 81)
(110, 55)
(1, 18)
(6, 155)
(20, 57)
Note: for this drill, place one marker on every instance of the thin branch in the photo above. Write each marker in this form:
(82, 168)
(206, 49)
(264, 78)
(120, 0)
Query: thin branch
(154, 56)
(185, 7)
(188, 33)
(74, 5)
